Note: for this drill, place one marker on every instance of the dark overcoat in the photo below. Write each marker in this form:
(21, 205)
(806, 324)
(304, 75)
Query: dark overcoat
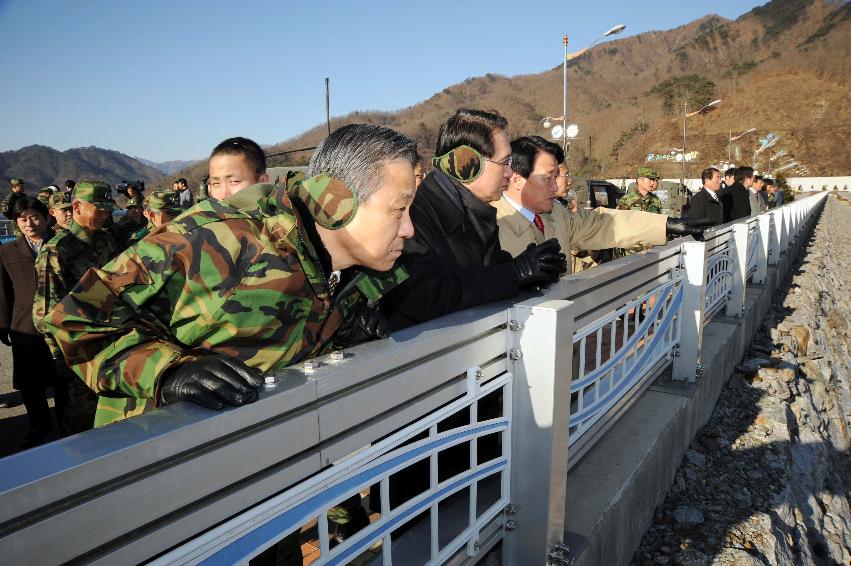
(31, 358)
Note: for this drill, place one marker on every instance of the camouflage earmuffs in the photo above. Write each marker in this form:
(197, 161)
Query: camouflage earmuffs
(331, 203)
(464, 164)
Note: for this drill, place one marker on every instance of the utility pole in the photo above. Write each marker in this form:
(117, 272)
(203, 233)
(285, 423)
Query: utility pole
(685, 110)
(327, 106)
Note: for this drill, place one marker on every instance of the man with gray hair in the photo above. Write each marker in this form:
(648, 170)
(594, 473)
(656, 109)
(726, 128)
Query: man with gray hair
(239, 287)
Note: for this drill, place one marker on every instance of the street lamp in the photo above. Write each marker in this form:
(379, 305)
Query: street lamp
(566, 128)
(559, 131)
(732, 139)
(774, 157)
(687, 114)
(771, 141)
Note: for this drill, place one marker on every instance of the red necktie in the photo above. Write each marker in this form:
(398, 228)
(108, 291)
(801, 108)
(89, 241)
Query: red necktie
(539, 224)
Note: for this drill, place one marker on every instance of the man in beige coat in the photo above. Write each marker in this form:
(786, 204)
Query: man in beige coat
(526, 215)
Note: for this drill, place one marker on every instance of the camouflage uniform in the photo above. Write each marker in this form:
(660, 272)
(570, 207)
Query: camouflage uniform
(240, 277)
(61, 263)
(61, 201)
(166, 201)
(9, 201)
(633, 200)
(124, 229)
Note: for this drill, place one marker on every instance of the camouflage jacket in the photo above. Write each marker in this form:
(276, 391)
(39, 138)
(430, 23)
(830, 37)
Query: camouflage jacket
(124, 229)
(138, 235)
(6, 210)
(241, 277)
(60, 264)
(633, 200)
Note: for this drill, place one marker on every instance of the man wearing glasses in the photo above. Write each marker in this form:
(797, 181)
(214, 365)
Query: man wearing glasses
(454, 258)
(526, 213)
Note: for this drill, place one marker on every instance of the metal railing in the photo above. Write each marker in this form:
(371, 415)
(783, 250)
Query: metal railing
(500, 384)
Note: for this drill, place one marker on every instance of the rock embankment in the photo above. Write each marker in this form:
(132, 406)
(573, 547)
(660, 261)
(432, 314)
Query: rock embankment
(767, 480)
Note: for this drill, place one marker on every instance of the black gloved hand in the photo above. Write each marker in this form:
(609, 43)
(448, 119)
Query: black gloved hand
(362, 325)
(211, 382)
(4, 337)
(687, 227)
(541, 264)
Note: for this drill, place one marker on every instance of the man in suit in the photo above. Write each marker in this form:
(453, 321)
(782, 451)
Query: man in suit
(735, 199)
(526, 214)
(454, 257)
(775, 197)
(756, 195)
(706, 203)
(729, 178)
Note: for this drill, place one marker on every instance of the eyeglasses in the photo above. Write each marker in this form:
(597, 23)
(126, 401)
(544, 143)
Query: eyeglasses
(506, 163)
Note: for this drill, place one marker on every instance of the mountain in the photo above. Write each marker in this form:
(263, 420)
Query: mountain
(40, 166)
(168, 167)
(782, 67)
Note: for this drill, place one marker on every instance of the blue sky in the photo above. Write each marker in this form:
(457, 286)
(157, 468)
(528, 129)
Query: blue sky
(170, 79)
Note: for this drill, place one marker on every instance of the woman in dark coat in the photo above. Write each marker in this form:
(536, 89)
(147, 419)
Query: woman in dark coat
(32, 364)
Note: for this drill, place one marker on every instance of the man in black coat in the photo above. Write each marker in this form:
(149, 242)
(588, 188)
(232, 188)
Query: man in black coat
(706, 203)
(735, 199)
(454, 258)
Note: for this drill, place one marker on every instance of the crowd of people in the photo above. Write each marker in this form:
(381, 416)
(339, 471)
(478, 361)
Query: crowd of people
(194, 301)
(60, 235)
(740, 194)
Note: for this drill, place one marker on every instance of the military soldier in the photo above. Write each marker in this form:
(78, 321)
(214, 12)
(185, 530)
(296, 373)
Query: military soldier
(132, 222)
(44, 196)
(17, 189)
(641, 197)
(293, 255)
(60, 210)
(8, 202)
(160, 208)
(61, 263)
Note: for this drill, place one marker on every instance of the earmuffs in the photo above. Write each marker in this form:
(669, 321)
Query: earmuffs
(330, 202)
(464, 164)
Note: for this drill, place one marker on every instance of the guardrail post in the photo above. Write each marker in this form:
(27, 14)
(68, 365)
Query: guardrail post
(786, 235)
(542, 351)
(687, 362)
(774, 237)
(764, 231)
(739, 255)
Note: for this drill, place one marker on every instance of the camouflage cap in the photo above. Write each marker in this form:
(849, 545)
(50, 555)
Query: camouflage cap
(648, 172)
(96, 192)
(60, 200)
(16, 182)
(167, 201)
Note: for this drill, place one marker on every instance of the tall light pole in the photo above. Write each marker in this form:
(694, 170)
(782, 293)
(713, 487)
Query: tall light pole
(564, 95)
(614, 30)
(731, 139)
(771, 142)
(687, 114)
(774, 158)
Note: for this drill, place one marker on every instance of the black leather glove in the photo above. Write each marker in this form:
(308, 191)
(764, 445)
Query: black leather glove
(687, 227)
(211, 382)
(362, 325)
(541, 264)
(4, 337)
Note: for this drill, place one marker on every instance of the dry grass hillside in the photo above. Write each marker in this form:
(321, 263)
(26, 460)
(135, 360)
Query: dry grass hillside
(783, 67)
